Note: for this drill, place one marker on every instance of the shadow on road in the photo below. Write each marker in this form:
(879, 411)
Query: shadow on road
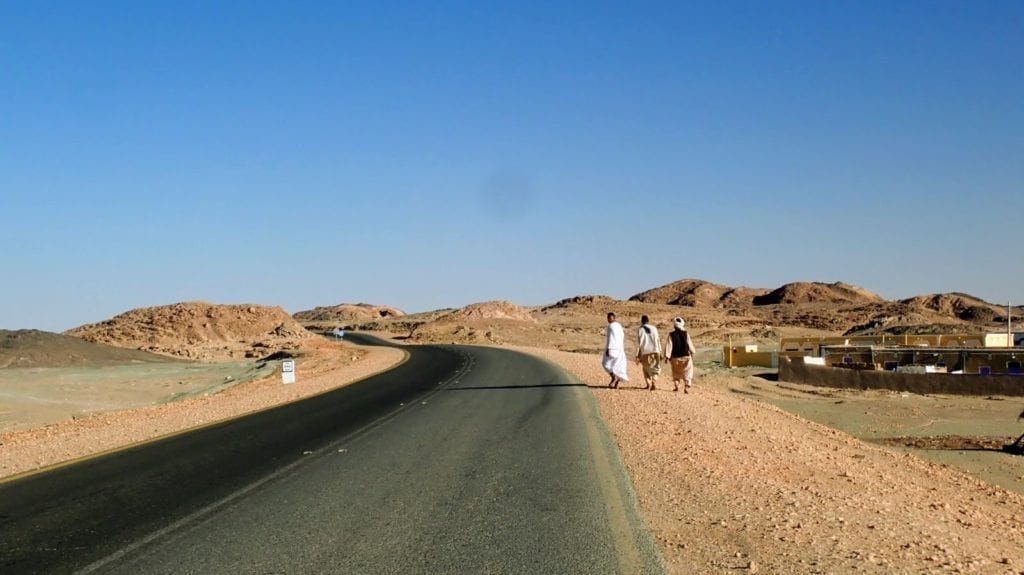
(516, 386)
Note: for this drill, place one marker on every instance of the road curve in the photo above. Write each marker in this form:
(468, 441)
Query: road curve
(461, 459)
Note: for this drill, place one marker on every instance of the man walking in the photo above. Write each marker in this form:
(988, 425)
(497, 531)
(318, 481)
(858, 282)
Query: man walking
(679, 352)
(648, 352)
(614, 360)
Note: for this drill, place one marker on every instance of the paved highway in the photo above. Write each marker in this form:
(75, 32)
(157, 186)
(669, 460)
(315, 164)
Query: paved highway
(460, 460)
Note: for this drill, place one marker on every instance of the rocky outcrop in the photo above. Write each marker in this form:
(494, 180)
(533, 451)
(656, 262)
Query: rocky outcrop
(199, 330)
(817, 292)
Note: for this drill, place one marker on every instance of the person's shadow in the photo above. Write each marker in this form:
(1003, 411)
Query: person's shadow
(532, 386)
(628, 387)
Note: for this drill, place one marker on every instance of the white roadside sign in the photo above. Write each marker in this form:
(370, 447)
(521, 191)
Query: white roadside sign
(288, 371)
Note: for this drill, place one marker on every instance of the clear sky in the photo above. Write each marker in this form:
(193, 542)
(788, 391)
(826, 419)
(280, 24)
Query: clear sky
(435, 155)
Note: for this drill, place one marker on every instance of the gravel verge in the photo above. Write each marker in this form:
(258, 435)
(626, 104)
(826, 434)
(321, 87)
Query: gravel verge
(322, 367)
(730, 484)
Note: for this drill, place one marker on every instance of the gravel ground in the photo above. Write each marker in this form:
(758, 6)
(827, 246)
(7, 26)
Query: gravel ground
(325, 366)
(730, 484)
(727, 484)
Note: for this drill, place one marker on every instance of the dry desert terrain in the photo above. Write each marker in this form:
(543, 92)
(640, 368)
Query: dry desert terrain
(744, 474)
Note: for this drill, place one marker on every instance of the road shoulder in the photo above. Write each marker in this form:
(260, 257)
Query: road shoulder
(325, 367)
(730, 484)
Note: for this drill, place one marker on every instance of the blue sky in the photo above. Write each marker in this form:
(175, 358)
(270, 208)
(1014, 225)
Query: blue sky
(427, 156)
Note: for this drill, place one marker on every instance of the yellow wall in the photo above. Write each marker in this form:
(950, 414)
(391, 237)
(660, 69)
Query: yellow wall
(748, 356)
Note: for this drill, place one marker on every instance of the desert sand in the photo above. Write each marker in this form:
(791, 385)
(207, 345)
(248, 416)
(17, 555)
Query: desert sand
(727, 481)
(730, 484)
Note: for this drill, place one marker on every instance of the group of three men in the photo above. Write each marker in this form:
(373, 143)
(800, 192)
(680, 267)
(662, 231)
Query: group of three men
(679, 352)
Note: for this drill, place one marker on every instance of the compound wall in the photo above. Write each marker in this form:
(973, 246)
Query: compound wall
(795, 371)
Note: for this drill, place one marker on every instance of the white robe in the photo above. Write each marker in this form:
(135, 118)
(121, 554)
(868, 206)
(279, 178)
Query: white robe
(614, 359)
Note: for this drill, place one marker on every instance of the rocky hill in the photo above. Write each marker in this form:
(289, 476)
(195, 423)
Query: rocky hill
(346, 314)
(582, 301)
(699, 293)
(819, 293)
(487, 322)
(34, 348)
(200, 330)
(489, 310)
(703, 294)
(959, 305)
(714, 313)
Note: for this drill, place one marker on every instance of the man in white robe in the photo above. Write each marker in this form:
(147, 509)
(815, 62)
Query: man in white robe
(614, 359)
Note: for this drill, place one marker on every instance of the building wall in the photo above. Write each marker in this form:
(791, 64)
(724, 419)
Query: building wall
(976, 361)
(795, 371)
(795, 346)
(748, 356)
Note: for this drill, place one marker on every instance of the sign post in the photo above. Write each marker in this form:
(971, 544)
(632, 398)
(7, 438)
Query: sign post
(288, 371)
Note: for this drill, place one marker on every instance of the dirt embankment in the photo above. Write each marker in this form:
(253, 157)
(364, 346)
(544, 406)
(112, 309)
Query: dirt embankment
(33, 348)
(321, 365)
(200, 331)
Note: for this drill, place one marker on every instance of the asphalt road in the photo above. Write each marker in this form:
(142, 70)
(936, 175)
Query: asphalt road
(460, 460)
